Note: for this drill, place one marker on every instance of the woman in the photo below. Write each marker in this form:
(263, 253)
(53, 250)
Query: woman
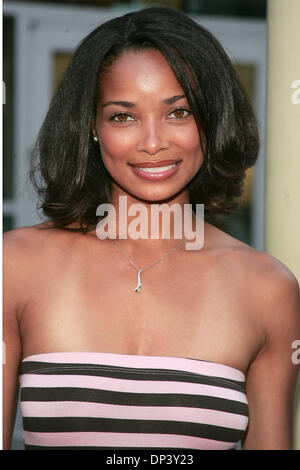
(140, 342)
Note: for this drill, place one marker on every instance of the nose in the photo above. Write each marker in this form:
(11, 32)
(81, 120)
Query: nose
(152, 138)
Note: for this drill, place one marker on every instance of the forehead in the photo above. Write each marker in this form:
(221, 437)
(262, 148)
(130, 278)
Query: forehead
(139, 71)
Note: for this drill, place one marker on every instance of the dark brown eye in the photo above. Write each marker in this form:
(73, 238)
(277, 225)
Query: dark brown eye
(180, 113)
(122, 117)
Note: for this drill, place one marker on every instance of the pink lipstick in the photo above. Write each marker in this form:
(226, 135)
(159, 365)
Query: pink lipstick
(156, 171)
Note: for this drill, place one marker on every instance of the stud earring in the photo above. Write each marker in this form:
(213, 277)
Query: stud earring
(95, 138)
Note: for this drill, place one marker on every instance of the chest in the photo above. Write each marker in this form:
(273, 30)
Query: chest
(183, 309)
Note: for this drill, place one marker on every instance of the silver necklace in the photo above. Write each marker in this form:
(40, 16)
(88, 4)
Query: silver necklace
(139, 284)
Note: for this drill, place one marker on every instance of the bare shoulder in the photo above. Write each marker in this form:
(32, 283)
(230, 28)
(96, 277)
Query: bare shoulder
(274, 295)
(35, 250)
(18, 246)
(24, 235)
(259, 265)
(277, 298)
(271, 288)
(30, 242)
(25, 251)
(270, 280)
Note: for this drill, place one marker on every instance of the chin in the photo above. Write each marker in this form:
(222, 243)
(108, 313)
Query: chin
(152, 192)
(157, 197)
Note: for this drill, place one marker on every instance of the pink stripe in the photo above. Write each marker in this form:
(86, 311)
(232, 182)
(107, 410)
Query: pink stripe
(131, 360)
(123, 440)
(99, 410)
(130, 386)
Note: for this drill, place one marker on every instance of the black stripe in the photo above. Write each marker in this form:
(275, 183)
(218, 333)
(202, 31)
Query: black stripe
(128, 373)
(133, 399)
(78, 424)
(158, 449)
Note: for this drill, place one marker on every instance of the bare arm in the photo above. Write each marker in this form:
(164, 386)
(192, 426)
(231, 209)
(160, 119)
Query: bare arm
(13, 292)
(272, 376)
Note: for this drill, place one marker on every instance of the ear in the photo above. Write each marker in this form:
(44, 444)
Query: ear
(93, 130)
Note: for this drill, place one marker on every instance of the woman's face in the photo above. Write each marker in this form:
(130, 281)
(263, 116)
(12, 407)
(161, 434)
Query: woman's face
(148, 138)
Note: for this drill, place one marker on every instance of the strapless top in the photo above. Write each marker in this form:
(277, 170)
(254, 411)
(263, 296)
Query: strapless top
(94, 400)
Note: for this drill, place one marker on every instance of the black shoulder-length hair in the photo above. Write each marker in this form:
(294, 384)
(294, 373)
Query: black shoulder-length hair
(67, 169)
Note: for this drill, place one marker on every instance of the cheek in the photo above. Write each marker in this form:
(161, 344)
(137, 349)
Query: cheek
(189, 141)
(115, 147)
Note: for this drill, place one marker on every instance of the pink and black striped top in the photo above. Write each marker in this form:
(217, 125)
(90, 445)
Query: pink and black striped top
(82, 400)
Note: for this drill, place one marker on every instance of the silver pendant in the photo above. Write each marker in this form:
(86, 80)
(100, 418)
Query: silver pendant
(139, 285)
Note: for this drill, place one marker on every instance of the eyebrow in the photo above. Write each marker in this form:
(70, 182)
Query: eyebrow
(128, 104)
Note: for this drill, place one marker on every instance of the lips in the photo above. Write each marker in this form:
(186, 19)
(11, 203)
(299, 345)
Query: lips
(156, 171)
(154, 164)
(160, 169)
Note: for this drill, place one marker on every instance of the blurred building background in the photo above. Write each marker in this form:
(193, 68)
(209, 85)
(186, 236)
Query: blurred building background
(38, 40)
